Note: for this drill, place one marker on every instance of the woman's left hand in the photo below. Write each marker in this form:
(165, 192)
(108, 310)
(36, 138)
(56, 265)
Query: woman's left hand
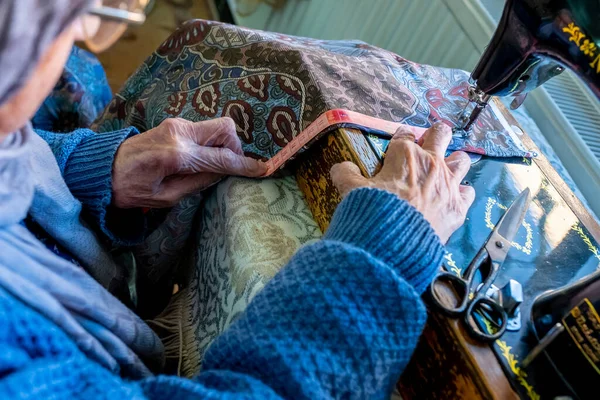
(158, 168)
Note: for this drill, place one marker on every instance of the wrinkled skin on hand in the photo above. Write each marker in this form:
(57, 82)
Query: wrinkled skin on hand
(161, 166)
(419, 174)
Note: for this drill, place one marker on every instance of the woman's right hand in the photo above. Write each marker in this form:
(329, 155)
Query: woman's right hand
(419, 174)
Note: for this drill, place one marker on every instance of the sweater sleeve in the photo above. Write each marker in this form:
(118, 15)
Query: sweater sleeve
(341, 320)
(85, 159)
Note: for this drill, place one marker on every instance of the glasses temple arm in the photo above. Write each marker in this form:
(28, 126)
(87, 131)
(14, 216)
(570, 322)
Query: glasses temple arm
(114, 14)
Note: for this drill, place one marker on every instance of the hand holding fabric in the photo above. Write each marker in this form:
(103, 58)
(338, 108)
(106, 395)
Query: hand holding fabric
(159, 167)
(419, 174)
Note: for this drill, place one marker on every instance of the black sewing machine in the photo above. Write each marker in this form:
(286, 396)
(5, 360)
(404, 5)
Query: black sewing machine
(535, 41)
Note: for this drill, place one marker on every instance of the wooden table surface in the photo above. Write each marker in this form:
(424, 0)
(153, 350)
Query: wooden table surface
(447, 363)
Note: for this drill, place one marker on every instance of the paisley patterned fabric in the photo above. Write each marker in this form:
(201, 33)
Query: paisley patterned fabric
(247, 231)
(274, 86)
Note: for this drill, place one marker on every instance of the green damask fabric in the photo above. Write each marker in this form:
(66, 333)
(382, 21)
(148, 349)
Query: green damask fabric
(247, 231)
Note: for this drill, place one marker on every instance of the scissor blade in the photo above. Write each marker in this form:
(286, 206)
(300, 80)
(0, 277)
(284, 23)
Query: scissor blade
(513, 217)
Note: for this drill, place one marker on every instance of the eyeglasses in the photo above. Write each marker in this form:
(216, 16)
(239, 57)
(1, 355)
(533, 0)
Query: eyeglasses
(105, 22)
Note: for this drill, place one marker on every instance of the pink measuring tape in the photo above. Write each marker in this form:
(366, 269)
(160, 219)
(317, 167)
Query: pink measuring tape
(327, 120)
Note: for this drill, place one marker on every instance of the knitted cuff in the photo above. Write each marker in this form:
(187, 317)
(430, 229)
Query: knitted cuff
(64, 144)
(88, 174)
(390, 229)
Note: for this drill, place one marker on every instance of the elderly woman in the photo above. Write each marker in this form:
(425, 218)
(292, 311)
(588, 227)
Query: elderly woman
(340, 320)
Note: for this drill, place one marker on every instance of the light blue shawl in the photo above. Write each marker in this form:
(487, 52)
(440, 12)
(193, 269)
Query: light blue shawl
(31, 184)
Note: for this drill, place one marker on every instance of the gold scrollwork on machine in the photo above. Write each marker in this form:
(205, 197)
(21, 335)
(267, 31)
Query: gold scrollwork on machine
(525, 248)
(513, 364)
(377, 144)
(451, 264)
(586, 46)
(587, 241)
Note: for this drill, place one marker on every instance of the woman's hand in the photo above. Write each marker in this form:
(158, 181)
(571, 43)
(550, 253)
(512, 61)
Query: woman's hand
(159, 167)
(421, 176)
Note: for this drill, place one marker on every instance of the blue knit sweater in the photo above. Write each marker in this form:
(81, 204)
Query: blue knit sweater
(341, 320)
(85, 159)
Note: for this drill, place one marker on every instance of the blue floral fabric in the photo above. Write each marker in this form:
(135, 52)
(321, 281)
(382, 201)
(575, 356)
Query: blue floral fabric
(80, 95)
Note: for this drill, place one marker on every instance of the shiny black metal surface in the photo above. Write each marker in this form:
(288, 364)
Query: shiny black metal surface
(551, 248)
(534, 38)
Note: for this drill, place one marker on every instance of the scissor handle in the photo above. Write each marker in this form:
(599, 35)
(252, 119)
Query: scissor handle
(494, 310)
(462, 292)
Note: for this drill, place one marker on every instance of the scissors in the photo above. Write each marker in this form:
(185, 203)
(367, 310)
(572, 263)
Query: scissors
(472, 298)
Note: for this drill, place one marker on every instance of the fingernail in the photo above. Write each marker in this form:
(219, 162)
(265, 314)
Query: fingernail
(442, 127)
(257, 168)
(403, 130)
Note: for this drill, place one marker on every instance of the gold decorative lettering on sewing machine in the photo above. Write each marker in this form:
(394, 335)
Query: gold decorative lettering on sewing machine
(583, 325)
(526, 51)
(586, 46)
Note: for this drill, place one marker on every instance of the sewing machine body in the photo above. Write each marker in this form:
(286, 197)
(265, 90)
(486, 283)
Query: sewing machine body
(534, 41)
